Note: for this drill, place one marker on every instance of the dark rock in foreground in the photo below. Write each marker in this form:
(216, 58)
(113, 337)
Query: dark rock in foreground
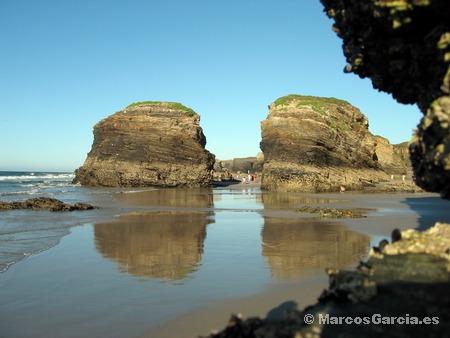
(158, 144)
(401, 291)
(404, 48)
(45, 203)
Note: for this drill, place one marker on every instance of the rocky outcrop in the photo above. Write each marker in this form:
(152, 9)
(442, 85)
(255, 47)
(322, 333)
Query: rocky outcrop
(393, 158)
(332, 212)
(242, 164)
(404, 48)
(158, 144)
(317, 144)
(45, 203)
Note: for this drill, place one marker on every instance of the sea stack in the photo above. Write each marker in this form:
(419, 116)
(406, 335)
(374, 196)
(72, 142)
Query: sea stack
(404, 48)
(148, 144)
(315, 144)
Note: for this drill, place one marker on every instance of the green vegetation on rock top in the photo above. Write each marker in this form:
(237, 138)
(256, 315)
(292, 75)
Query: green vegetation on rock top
(308, 100)
(170, 105)
(317, 104)
(401, 145)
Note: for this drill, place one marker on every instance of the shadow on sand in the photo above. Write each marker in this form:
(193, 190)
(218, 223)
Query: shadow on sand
(430, 209)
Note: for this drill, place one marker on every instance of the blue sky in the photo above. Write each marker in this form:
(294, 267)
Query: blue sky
(65, 65)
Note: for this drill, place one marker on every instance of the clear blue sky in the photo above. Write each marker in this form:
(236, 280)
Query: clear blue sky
(65, 65)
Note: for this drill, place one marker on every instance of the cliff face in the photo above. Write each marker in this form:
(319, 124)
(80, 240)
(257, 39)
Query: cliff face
(317, 144)
(393, 158)
(242, 164)
(158, 144)
(404, 48)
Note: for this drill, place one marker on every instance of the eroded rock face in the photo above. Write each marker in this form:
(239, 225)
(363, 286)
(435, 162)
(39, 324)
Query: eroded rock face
(317, 144)
(404, 48)
(158, 144)
(393, 158)
(242, 164)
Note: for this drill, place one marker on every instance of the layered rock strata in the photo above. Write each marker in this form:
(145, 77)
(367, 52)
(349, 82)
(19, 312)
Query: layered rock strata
(245, 164)
(317, 144)
(158, 144)
(404, 48)
(393, 158)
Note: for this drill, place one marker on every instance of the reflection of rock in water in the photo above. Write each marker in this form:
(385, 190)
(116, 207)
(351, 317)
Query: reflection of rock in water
(280, 200)
(180, 198)
(295, 247)
(162, 244)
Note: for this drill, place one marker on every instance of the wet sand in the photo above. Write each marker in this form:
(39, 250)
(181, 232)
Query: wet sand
(385, 212)
(201, 322)
(97, 282)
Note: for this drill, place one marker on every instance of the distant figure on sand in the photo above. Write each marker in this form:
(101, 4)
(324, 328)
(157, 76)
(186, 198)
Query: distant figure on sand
(341, 189)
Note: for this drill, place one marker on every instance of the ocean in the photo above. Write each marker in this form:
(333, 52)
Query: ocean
(149, 255)
(26, 232)
(23, 233)
(18, 185)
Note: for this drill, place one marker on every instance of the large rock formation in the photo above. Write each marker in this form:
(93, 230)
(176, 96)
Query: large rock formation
(403, 46)
(158, 144)
(317, 144)
(242, 164)
(393, 158)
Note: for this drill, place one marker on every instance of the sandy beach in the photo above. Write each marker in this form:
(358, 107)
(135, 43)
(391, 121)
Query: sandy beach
(201, 321)
(385, 212)
(179, 262)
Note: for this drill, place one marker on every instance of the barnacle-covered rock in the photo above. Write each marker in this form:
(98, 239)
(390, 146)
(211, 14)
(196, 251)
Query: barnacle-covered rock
(403, 46)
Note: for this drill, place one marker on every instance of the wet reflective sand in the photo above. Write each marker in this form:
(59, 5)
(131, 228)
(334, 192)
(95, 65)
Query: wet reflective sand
(295, 248)
(169, 244)
(160, 244)
(172, 252)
